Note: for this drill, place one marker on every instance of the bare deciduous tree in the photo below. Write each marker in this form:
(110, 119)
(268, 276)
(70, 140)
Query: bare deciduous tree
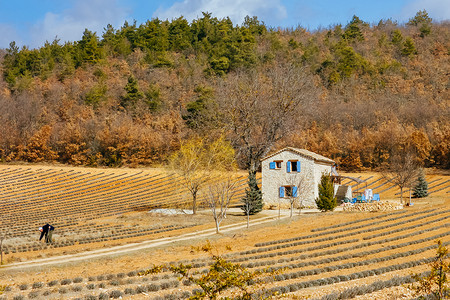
(302, 185)
(261, 107)
(402, 171)
(219, 197)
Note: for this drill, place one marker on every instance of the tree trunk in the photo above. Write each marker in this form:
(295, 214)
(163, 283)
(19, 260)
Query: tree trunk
(217, 226)
(401, 195)
(1, 252)
(194, 202)
(292, 209)
(248, 218)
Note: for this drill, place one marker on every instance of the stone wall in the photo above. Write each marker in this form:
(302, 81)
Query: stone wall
(306, 180)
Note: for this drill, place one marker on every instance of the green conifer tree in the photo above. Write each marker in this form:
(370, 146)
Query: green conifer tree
(327, 200)
(252, 201)
(421, 188)
(133, 93)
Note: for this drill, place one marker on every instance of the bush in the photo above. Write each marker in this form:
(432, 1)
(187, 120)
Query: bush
(115, 294)
(23, 287)
(103, 296)
(141, 289)
(326, 200)
(37, 285)
(66, 281)
(155, 287)
(90, 286)
(53, 283)
(33, 295)
(77, 288)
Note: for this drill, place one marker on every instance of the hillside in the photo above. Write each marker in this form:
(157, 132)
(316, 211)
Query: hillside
(129, 96)
(318, 254)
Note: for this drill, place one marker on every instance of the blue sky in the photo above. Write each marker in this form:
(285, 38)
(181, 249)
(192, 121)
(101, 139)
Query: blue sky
(32, 22)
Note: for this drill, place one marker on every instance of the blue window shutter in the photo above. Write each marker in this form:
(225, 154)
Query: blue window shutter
(288, 166)
(281, 191)
(294, 191)
(298, 166)
(272, 165)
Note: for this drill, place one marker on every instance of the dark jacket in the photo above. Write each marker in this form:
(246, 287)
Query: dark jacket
(45, 229)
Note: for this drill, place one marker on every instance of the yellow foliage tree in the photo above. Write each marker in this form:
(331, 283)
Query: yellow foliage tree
(198, 161)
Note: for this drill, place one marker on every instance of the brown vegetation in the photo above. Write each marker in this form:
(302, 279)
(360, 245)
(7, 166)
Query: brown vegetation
(358, 93)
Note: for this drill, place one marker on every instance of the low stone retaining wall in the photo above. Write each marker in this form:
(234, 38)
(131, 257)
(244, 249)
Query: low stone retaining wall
(372, 206)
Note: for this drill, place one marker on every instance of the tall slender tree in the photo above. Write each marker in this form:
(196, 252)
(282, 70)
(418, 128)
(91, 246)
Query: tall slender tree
(326, 200)
(252, 201)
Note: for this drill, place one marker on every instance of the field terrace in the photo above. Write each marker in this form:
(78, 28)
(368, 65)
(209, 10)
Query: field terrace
(77, 201)
(317, 256)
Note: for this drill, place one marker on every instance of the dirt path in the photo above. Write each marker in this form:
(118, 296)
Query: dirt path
(128, 248)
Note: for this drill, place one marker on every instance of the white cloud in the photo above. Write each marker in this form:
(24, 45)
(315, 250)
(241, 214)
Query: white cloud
(439, 10)
(235, 9)
(70, 24)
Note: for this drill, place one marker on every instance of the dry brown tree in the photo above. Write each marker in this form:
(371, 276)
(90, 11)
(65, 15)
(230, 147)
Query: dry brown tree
(219, 196)
(260, 107)
(402, 170)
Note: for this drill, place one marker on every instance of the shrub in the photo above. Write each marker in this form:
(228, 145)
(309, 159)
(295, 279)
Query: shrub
(103, 296)
(77, 288)
(66, 281)
(23, 287)
(37, 285)
(326, 200)
(63, 290)
(131, 274)
(129, 291)
(33, 295)
(90, 286)
(155, 287)
(114, 283)
(53, 283)
(115, 294)
(110, 276)
(77, 280)
(141, 289)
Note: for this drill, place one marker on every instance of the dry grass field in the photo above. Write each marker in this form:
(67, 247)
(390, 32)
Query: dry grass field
(364, 255)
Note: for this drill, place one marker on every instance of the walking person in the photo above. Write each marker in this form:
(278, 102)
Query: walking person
(47, 230)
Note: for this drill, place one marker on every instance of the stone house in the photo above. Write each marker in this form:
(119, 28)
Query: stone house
(293, 174)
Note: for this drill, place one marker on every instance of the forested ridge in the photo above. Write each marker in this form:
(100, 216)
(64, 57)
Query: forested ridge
(130, 96)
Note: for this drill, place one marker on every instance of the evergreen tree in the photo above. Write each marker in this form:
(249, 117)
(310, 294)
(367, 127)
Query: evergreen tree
(133, 93)
(409, 48)
(252, 201)
(326, 200)
(421, 188)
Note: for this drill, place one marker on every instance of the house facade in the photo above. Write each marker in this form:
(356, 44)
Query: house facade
(293, 174)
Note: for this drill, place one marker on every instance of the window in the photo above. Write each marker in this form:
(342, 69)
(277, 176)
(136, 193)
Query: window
(275, 164)
(293, 166)
(288, 191)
